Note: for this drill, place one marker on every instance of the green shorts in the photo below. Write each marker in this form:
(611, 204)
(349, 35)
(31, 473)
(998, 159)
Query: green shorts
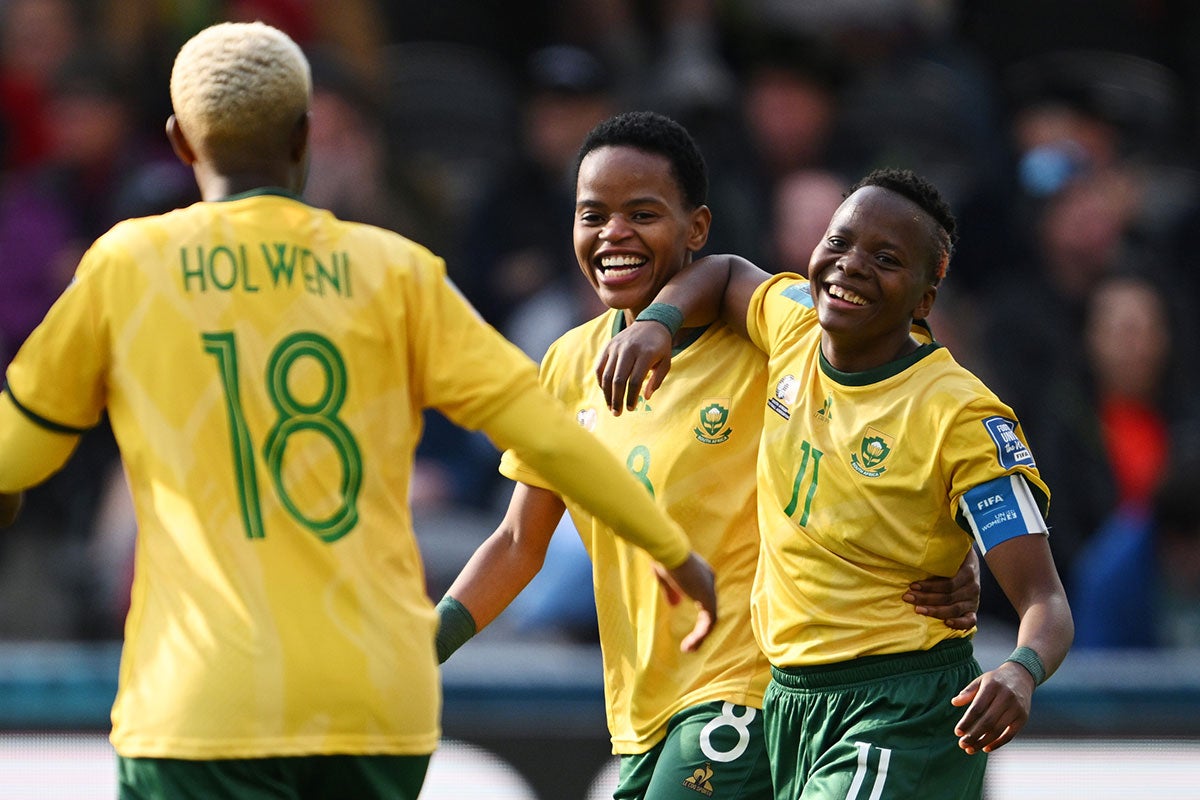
(875, 727)
(283, 778)
(711, 750)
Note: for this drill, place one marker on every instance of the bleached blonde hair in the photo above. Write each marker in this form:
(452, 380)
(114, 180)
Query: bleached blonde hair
(239, 88)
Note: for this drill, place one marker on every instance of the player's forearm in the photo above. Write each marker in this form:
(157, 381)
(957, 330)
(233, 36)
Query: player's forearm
(698, 290)
(494, 576)
(1048, 628)
(716, 286)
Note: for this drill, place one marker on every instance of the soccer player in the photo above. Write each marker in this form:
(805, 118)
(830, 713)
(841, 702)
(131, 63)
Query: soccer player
(881, 459)
(264, 366)
(681, 723)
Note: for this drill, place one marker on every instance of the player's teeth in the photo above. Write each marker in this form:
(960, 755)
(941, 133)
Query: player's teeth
(847, 295)
(620, 261)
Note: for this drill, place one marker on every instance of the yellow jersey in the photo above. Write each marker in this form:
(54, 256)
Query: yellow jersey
(869, 481)
(264, 366)
(693, 447)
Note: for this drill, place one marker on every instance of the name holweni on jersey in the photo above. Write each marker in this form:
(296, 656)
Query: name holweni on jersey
(278, 265)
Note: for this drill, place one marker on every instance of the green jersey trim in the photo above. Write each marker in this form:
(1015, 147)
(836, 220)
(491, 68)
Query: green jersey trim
(38, 419)
(867, 377)
(263, 191)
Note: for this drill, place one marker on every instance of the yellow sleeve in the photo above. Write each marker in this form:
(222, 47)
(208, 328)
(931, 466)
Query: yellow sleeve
(30, 452)
(540, 432)
(480, 380)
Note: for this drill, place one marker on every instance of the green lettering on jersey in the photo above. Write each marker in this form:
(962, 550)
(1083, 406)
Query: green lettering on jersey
(189, 272)
(638, 463)
(294, 414)
(813, 454)
(281, 261)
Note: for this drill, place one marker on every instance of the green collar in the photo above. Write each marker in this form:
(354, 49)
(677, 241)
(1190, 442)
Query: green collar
(689, 334)
(262, 190)
(867, 377)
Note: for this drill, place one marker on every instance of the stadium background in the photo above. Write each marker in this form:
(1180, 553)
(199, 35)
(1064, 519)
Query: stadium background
(1064, 131)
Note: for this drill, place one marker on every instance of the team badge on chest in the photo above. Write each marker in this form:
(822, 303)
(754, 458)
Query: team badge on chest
(874, 449)
(714, 419)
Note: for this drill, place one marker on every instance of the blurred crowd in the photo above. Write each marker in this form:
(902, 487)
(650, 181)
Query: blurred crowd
(1064, 133)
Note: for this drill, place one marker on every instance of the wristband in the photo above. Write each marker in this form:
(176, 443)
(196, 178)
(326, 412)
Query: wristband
(455, 627)
(663, 313)
(1028, 658)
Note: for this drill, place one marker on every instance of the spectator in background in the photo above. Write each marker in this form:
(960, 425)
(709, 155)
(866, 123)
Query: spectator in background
(804, 200)
(1152, 552)
(351, 171)
(514, 245)
(1107, 433)
(784, 122)
(36, 39)
(1032, 333)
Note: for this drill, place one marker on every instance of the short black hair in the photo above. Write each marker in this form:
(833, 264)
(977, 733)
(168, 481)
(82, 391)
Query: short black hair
(907, 183)
(658, 134)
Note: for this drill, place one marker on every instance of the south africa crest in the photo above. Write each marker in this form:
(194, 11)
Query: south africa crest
(714, 421)
(875, 447)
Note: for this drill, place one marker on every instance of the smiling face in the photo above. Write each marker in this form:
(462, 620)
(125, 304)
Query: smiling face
(633, 229)
(872, 275)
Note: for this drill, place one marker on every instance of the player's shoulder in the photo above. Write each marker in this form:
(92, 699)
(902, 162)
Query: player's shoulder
(783, 303)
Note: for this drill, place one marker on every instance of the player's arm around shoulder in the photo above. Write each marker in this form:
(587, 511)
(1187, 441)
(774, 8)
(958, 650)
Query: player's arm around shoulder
(636, 361)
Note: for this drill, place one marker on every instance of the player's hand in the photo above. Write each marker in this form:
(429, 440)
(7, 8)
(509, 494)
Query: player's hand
(644, 348)
(953, 600)
(694, 578)
(10, 507)
(998, 704)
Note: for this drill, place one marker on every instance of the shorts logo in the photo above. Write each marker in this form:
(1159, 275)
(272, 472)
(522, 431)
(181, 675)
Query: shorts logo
(701, 781)
(875, 447)
(713, 419)
(1010, 450)
(785, 395)
(586, 417)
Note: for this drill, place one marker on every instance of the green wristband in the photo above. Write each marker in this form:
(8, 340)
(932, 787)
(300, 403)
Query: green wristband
(455, 627)
(1028, 658)
(663, 313)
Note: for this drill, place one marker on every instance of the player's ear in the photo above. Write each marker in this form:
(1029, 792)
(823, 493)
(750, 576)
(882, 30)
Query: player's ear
(299, 142)
(179, 143)
(925, 304)
(701, 221)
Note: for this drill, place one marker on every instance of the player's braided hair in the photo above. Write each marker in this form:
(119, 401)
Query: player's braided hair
(658, 134)
(907, 183)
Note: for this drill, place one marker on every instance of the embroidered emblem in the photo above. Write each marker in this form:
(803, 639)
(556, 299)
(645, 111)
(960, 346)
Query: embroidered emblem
(875, 447)
(713, 419)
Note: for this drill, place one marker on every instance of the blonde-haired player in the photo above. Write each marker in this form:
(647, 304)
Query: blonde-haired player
(265, 366)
